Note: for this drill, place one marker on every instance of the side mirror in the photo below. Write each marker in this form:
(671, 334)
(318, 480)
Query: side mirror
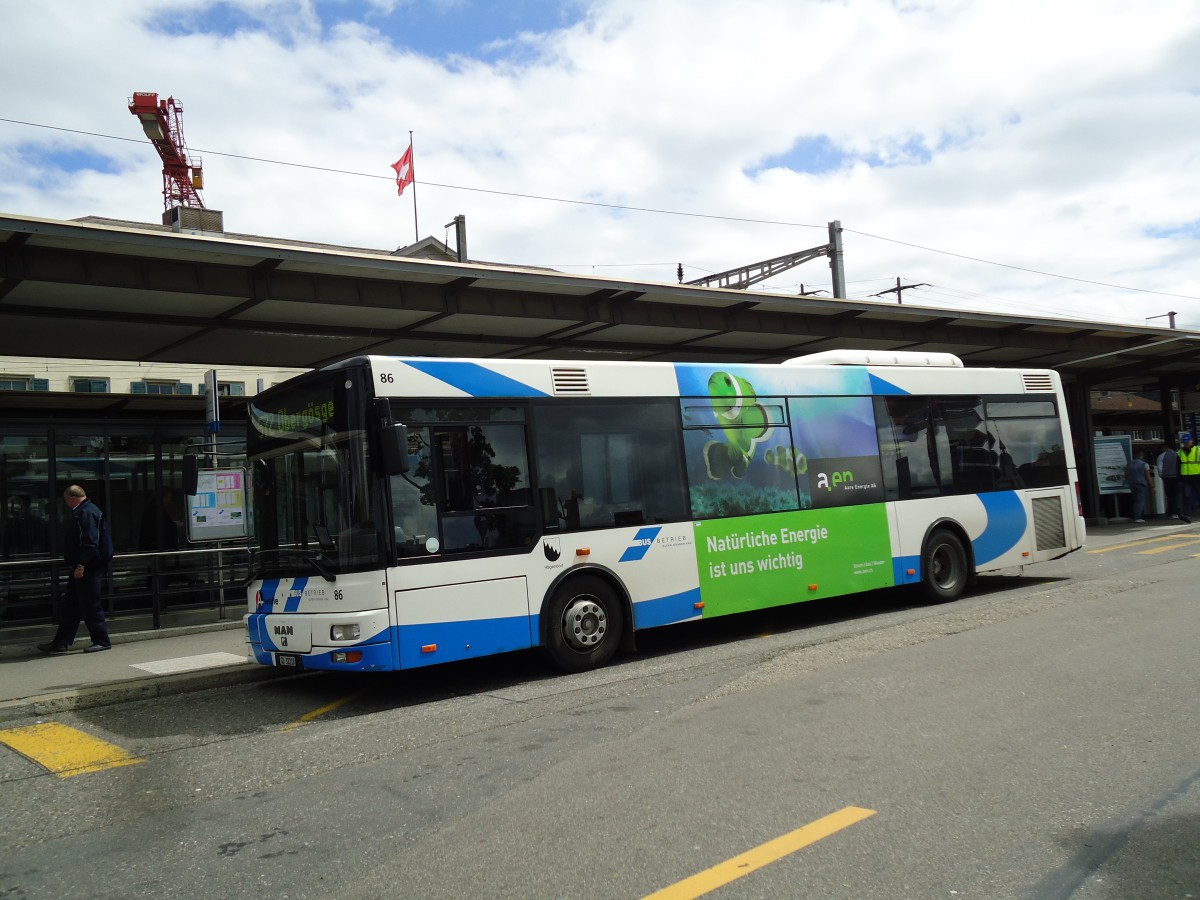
(191, 474)
(393, 446)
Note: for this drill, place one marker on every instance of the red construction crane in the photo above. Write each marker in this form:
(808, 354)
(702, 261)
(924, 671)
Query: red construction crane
(162, 120)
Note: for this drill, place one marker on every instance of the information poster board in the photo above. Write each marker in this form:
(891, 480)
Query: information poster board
(218, 509)
(1113, 454)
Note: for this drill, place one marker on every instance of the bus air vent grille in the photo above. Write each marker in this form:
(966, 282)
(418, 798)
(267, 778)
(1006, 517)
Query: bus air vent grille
(1048, 523)
(571, 381)
(1036, 384)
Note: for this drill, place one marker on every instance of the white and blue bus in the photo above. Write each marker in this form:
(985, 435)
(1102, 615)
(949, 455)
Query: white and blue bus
(412, 511)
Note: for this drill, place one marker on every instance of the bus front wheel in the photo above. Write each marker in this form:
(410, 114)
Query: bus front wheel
(584, 622)
(944, 571)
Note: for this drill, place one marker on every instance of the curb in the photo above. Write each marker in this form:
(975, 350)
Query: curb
(138, 689)
(28, 646)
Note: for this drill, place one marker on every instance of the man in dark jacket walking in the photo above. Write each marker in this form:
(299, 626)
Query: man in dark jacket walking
(87, 549)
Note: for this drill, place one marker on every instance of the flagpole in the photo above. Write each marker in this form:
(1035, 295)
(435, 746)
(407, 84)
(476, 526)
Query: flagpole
(416, 230)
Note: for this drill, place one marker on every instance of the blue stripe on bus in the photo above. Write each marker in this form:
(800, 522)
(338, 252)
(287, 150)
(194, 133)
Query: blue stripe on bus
(900, 567)
(474, 379)
(254, 629)
(1006, 524)
(461, 640)
(295, 592)
(665, 610)
(885, 388)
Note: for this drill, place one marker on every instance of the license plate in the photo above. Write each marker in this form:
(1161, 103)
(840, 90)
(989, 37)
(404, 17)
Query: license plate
(288, 661)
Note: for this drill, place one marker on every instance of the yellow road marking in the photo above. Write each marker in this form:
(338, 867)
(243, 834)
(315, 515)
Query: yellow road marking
(65, 751)
(1138, 543)
(1154, 550)
(762, 855)
(320, 711)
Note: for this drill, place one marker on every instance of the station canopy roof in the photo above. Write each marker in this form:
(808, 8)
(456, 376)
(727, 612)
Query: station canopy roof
(103, 289)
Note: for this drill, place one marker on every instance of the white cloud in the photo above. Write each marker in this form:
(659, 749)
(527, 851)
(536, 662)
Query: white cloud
(1052, 136)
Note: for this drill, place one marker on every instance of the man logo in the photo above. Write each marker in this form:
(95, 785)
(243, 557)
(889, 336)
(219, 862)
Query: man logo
(551, 550)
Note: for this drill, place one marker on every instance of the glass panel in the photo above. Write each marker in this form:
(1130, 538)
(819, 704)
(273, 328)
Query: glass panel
(314, 497)
(836, 451)
(973, 456)
(908, 448)
(25, 487)
(608, 463)
(485, 487)
(130, 496)
(739, 453)
(171, 509)
(739, 471)
(25, 534)
(413, 504)
(1031, 453)
(963, 453)
(1020, 409)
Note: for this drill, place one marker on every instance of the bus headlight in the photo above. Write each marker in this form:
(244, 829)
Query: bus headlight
(344, 632)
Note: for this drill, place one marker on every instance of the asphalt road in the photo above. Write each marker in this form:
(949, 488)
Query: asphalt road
(1037, 739)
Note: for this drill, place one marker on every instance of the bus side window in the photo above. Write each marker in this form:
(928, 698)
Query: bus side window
(909, 447)
(414, 518)
(609, 462)
(973, 457)
(485, 501)
(1030, 440)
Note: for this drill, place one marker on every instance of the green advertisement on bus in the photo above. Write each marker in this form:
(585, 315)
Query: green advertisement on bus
(754, 562)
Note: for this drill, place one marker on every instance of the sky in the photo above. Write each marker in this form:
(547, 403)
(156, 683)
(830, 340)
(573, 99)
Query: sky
(1034, 157)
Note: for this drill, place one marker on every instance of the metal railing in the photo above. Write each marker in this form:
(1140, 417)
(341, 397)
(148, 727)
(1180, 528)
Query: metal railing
(137, 583)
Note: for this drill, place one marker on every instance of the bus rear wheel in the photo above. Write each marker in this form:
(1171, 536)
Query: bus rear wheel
(944, 571)
(584, 623)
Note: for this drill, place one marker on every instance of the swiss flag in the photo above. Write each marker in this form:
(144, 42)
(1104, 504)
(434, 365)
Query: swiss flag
(404, 171)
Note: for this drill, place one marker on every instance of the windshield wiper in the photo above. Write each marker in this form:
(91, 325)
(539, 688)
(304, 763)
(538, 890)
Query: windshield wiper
(317, 559)
(313, 557)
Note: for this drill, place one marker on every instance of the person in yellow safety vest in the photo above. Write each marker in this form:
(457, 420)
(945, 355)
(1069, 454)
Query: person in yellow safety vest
(1189, 476)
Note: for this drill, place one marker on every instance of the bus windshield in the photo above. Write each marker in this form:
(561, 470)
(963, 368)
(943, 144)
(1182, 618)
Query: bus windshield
(314, 501)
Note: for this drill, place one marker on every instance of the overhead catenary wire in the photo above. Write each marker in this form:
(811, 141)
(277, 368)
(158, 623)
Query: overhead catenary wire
(622, 208)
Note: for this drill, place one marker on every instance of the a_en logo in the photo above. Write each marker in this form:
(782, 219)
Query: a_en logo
(642, 542)
(836, 480)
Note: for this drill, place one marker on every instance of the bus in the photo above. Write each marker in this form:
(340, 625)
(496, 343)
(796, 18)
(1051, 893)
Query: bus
(409, 511)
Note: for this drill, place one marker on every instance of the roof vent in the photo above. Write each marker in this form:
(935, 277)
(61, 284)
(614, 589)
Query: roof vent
(570, 382)
(1038, 383)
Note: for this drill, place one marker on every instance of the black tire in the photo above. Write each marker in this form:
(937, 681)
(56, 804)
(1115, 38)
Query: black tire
(944, 569)
(582, 624)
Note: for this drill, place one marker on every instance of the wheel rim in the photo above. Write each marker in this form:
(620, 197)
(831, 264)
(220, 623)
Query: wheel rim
(945, 569)
(584, 623)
